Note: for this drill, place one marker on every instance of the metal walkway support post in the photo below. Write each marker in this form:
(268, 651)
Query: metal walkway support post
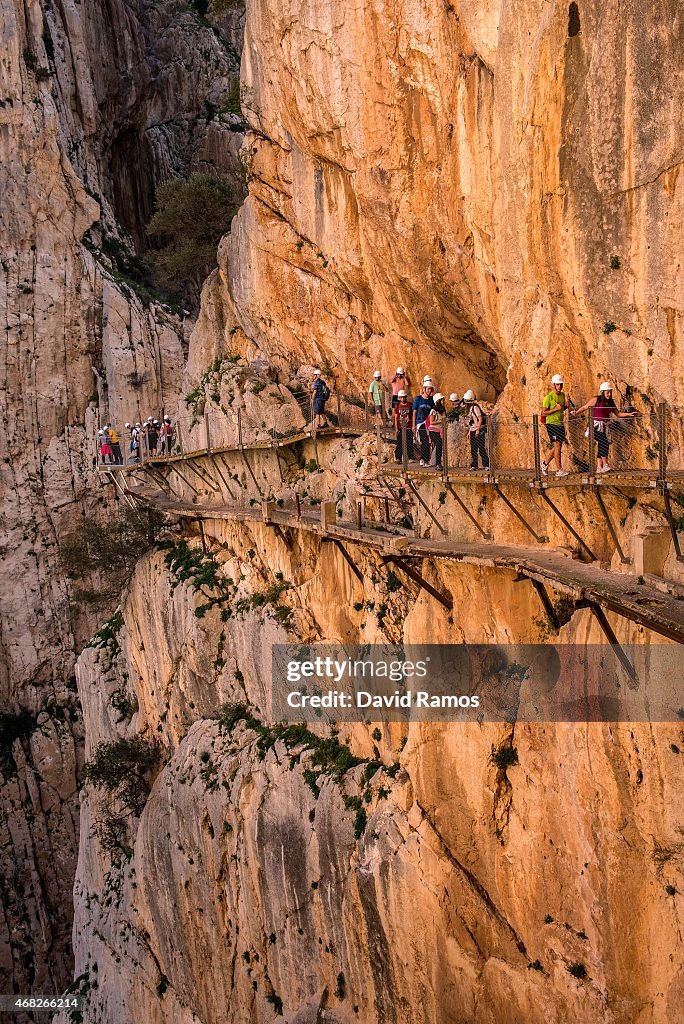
(378, 442)
(537, 448)
(427, 508)
(611, 528)
(568, 526)
(481, 530)
(592, 442)
(206, 432)
(492, 444)
(345, 554)
(546, 601)
(413, 574)
(404, 449)
(662, 443)
(539, 537)
(672, 524)
(243, 453)
(609, 633)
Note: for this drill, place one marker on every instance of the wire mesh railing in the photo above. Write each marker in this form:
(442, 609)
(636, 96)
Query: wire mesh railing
(587, 445)
(648, 445)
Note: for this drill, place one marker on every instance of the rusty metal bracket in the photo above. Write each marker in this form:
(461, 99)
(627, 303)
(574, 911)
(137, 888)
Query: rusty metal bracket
(672, 524)
(345, 554)
(413, 574)
(568, 525)
(483, 533)
(539, 537)
(427, 508)
(200, 473)
(611, 528)
(546, 601)
(609, 633)
(174, 469)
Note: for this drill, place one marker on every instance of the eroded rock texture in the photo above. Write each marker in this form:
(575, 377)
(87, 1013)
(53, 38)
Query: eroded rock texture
(423, 884)
(98, 103)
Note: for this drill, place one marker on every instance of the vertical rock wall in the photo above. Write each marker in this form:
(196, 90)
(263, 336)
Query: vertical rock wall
(98, 103)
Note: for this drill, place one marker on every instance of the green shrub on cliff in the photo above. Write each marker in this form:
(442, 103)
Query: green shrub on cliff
(191, 215)
(121, 768)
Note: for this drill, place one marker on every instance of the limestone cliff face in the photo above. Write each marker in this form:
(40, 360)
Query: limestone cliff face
(98, 103)
(444, 185)
(251, 887)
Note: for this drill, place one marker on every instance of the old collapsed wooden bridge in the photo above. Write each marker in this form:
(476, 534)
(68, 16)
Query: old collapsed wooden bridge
(587, 585)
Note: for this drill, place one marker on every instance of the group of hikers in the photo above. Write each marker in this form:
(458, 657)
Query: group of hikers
(153, 437)
(420, 422)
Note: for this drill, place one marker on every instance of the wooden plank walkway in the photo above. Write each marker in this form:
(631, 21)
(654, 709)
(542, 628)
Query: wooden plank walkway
(620, 593)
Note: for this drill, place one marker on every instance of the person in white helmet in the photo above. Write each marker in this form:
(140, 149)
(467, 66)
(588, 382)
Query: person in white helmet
(435, 423)
(422, 406)
(166, 437)
(402, 414)
(106, 453)
(400, 382)
(552, 416)
(604, 408)
(134, 447)
(377, 392)
(477, 431)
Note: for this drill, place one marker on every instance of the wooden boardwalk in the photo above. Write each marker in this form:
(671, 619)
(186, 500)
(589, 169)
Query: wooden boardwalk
(588, 585)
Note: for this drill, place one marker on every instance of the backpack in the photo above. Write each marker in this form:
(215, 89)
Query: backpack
(325, 392)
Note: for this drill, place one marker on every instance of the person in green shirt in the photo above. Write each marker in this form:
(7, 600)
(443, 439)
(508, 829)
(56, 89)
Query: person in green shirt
(553, 415)
(377, 391)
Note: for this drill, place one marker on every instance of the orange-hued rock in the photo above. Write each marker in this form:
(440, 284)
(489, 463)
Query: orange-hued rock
(468, 891)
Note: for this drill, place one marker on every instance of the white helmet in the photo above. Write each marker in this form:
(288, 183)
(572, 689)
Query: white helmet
(107, 427)
(606, 386)
(127, 426)
(137, 424)
(437, 396)
(402, 394)
(377, 374)
(469, 396)
(149, 419)
(317, 373)
(427, 379)
(453, 397)
(400, 370)
(100, 433)
(556, 379)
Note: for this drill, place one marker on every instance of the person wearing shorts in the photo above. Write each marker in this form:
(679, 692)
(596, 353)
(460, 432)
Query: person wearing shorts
(552, 415)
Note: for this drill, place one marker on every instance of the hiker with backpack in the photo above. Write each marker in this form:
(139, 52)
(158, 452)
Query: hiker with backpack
(552, 416)
(114, 444)
(403, 413)
(423, 404)
(166, 437)
(400, 382)
(477, 431)
(435, 425)
(320, 393)
(604, 408)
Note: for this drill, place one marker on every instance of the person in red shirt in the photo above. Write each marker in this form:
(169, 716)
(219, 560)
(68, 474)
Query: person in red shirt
(403, 413)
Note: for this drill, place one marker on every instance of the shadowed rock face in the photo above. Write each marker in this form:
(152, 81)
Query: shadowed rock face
(98, 103)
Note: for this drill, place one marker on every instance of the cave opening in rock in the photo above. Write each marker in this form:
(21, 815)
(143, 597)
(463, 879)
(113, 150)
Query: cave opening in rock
(573, 20)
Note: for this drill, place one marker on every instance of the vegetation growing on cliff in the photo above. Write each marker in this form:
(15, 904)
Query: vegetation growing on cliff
(122, 768)
(110, 550)
(191, 216)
